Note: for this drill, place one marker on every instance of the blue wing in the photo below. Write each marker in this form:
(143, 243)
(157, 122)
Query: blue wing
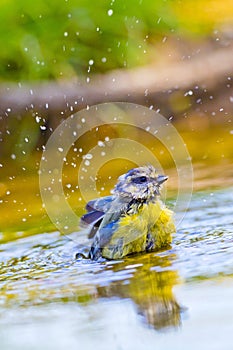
(100, 204)
(96, 210)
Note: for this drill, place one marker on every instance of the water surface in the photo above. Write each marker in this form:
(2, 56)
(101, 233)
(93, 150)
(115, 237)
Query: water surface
(180, 297)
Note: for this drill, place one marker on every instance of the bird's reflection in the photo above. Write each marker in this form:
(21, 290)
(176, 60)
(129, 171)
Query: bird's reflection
(150, 287)
(147, 280)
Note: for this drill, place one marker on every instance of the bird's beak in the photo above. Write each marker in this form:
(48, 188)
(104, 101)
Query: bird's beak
(161, 179)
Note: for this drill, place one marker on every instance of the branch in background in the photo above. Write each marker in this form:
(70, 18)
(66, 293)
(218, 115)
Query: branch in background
(140, 85)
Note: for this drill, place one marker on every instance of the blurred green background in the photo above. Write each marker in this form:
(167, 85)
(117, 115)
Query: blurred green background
(59, 39)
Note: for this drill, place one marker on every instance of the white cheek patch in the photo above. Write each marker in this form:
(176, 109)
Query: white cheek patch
(121, 178)
(132, 188)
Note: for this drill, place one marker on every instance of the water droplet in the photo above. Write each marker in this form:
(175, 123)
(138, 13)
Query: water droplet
(110, 12)
(101, 144)
(88, 156)
(189, 93)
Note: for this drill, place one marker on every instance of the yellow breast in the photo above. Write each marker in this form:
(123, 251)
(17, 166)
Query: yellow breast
(131, 236)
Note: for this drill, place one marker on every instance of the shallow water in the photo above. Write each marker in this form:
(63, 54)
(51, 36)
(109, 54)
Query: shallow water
(177, 298)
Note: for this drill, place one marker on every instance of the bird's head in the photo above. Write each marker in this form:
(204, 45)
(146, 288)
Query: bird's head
(141, 183)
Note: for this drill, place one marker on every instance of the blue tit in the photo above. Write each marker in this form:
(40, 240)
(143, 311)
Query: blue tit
(133, 219)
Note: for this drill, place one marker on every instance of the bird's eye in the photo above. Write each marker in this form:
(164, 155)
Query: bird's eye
(140, 179)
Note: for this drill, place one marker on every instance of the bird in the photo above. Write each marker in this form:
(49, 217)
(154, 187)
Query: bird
(133, 219)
